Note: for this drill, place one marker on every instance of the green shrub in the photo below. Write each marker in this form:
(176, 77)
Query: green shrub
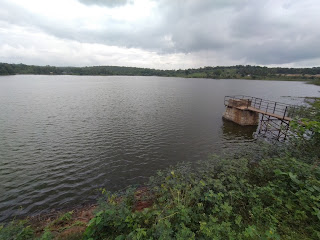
(222, 199)
(16, 230)
(305, 141)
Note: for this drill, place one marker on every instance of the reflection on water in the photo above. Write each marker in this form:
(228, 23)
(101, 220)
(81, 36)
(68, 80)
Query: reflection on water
(64, 137)
(232, 130)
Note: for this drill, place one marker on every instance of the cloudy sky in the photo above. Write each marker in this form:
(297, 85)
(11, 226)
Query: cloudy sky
(163, 34)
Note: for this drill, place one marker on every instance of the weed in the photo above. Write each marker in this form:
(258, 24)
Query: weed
(16, 230)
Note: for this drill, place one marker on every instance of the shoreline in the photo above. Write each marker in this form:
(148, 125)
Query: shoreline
(247, 72)
(73, 221)
(315, 82)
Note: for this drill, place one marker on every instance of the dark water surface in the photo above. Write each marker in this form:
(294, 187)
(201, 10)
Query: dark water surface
(63, 137)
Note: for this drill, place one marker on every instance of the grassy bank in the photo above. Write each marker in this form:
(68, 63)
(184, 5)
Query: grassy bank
(315, 82)
(271, 191)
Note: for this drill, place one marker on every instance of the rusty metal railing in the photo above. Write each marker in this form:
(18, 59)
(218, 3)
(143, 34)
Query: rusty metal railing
(266, 106)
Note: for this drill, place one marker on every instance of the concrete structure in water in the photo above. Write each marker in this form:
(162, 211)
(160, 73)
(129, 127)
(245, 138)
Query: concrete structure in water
(238, 111)
(274, 119)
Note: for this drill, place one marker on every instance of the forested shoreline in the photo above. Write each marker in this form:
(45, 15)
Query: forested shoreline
(218, 72)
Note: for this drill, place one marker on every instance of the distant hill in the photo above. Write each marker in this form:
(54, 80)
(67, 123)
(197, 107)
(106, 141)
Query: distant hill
(219, 72)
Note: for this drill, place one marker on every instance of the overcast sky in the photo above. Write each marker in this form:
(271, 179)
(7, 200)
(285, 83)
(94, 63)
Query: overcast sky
(163, 34)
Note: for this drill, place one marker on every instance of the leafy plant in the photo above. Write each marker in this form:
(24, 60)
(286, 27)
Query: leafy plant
(16, 230)
(222, 199)
(306, 139)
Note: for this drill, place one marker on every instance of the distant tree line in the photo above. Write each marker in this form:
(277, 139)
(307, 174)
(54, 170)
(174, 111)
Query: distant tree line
(219, 72)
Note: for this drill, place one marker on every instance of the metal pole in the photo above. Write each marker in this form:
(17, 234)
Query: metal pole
(260, 103)
(261, 121)
(278, 137)
(267, 123)
(286, 130)
(285, 111)
(267, 107)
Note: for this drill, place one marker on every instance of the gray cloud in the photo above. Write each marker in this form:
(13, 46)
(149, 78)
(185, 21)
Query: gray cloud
(243, 31)
(107, 3)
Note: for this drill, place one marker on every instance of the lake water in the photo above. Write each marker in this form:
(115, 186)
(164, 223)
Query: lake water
(64, 137)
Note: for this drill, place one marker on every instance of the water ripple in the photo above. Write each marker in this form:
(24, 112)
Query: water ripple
(64, 137)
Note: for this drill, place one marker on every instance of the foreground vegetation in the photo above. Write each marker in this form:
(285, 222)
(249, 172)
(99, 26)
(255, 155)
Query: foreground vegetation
(268, 192)
(233, 72)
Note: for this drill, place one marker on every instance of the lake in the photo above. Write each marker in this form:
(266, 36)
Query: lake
(64, 137)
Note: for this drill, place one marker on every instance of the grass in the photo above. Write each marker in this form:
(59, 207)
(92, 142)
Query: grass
(69, 226)
(16, 230)
(315, 82)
